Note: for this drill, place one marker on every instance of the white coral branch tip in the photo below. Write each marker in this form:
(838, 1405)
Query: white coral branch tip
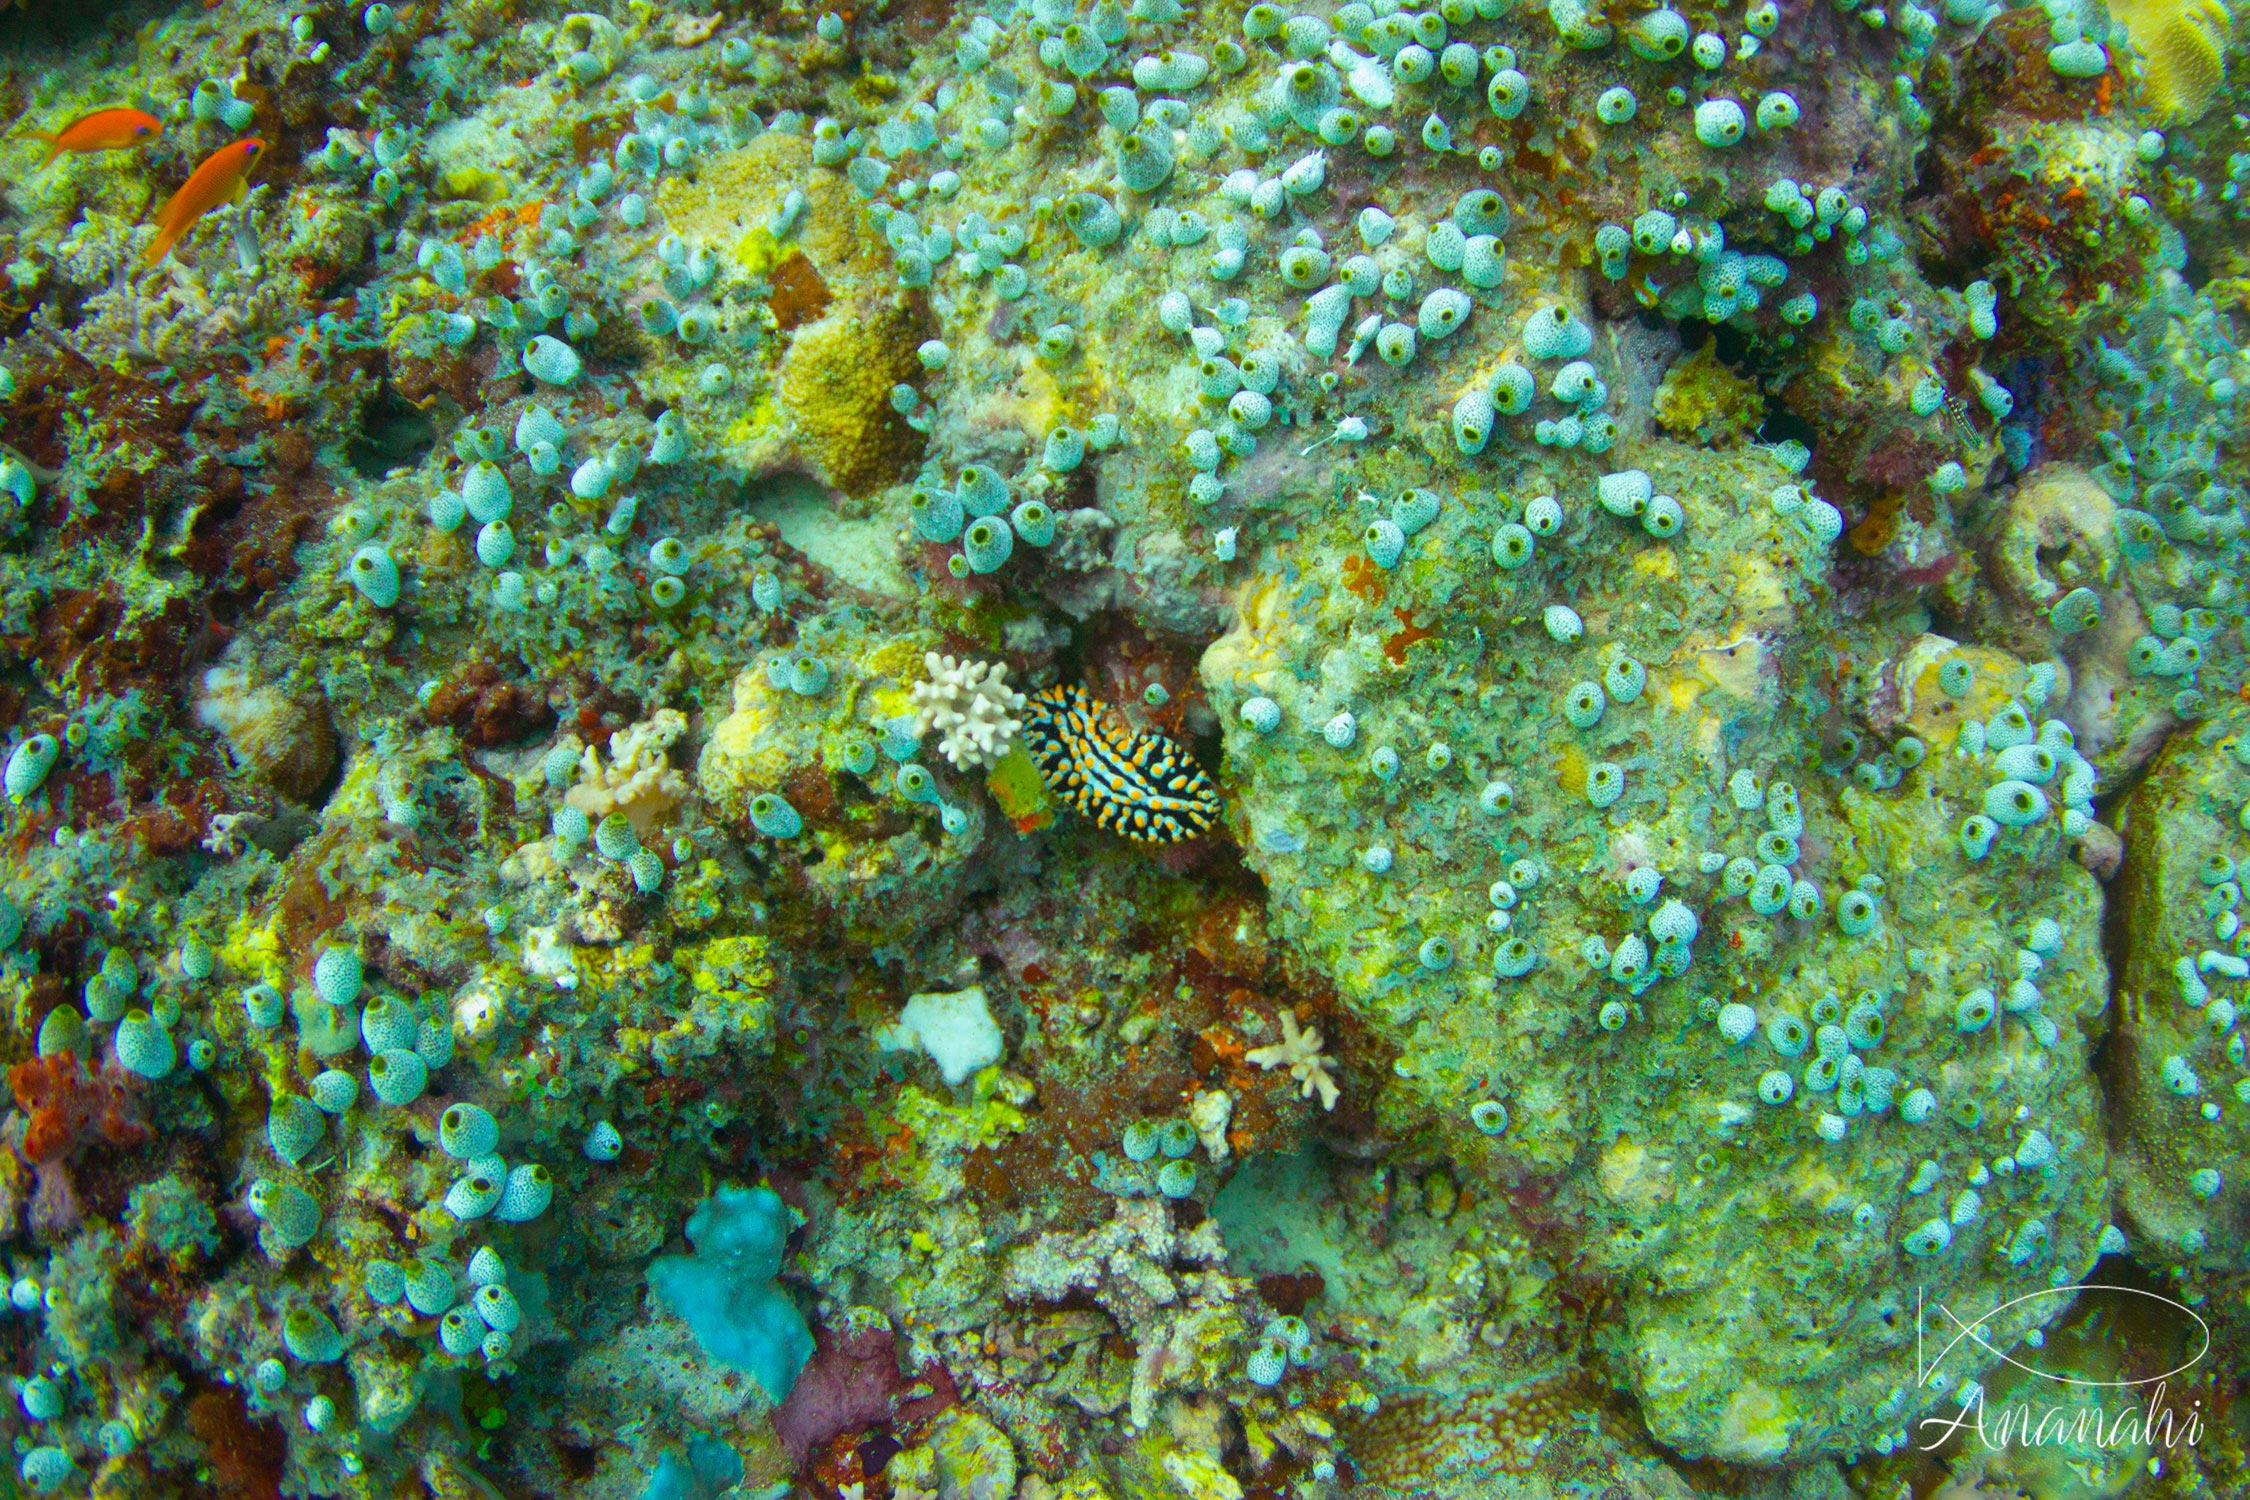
(971, 706)
(1299, 1051)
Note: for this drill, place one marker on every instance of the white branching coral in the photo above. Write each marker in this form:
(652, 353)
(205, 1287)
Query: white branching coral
(1299, 1051)
(971, 706)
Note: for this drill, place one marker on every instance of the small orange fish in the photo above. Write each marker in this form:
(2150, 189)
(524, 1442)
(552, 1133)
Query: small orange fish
(103, 130)
(216, 181)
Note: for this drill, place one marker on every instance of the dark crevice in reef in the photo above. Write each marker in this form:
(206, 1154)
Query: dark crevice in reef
(1731, 345)
(1783, 425)
(1747, 354)
(2114, 942)
(1948, 229)
(2110, 810)
(38, 23)
(392, 435)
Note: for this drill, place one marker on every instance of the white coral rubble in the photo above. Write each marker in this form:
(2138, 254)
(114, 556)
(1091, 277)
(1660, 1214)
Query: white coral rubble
(971, 706)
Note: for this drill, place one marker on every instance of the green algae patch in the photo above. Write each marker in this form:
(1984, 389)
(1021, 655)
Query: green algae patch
(1015, 783)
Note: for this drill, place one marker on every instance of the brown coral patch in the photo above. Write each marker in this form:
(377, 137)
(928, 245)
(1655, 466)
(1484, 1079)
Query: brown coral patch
(68, 1108)
(812, 793)
(921, 20)
(242, 540)
(298, 98)
(2054, 251)
(487, 707)
(799, 295)
(440, 383)
(56, 392)
(591, 708)
(304, 909)
(1291, 1292)
(163, 827)
(246, 1457)
(1125, 659)
(56, 388)
(1423, 1438)
(88, 645)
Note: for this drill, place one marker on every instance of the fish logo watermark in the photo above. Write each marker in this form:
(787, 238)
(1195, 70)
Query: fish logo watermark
(2116, 1416)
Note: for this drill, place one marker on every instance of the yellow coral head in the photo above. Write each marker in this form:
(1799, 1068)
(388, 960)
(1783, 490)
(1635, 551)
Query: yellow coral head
(2182, 47)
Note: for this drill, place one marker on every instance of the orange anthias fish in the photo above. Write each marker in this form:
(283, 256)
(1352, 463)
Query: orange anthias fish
(103, 130)
(211, 184)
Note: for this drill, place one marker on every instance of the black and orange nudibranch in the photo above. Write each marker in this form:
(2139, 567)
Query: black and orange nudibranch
(1137, 783)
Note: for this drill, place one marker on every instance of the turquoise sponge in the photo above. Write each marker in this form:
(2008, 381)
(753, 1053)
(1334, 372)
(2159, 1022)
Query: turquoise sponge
(725, 1292)
(710, 1468)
